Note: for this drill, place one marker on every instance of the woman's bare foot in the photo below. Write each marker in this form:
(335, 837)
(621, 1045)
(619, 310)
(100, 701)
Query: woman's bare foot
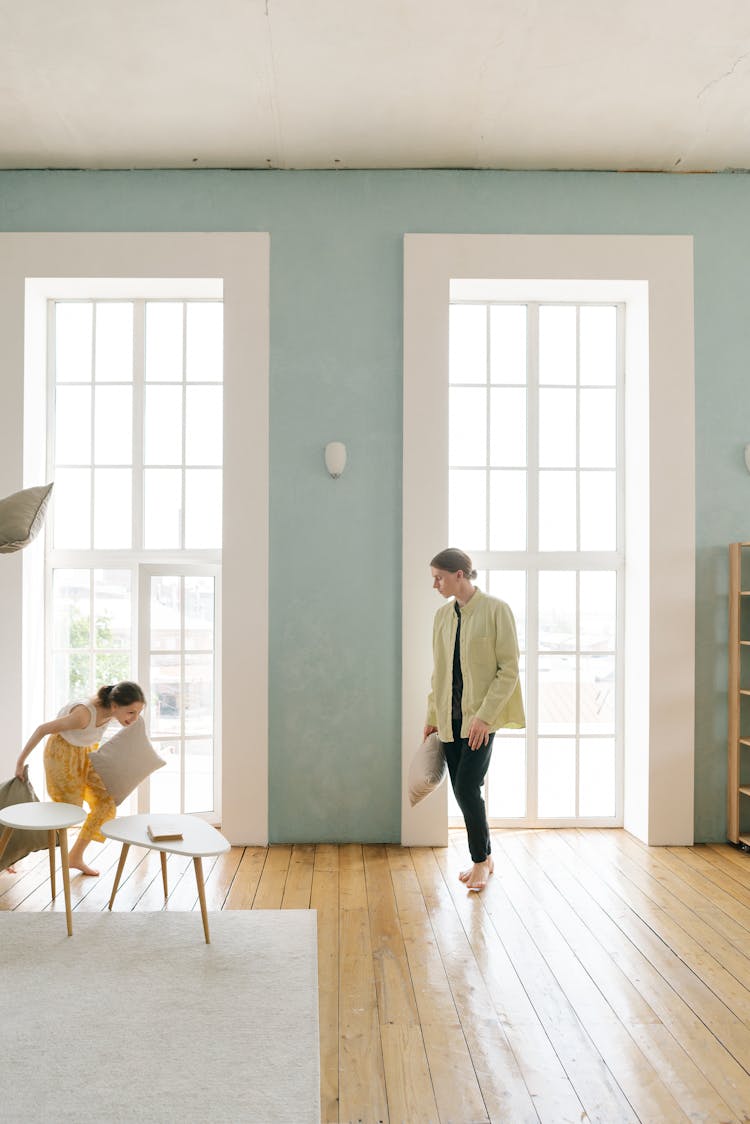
(83, 867)
(476, 876)
(75, 859)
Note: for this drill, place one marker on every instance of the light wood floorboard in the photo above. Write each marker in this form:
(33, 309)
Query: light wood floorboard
(595, 979)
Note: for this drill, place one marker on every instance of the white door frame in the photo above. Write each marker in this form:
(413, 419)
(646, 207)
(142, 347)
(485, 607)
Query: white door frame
(653, 274)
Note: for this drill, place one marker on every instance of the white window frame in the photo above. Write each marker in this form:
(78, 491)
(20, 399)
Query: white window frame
(30, 267)
(146, 571)
(654, 276)
(533, 561)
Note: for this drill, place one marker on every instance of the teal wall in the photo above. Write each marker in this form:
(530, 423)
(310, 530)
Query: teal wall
(336, 298)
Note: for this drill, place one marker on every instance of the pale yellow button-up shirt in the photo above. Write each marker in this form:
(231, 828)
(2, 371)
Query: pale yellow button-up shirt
(488, 650)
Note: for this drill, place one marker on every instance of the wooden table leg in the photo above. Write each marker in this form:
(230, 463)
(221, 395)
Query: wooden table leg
(52, 843)
(164, 872)
(4, 839)
(120, 865)
(198, 864)
(66, 877)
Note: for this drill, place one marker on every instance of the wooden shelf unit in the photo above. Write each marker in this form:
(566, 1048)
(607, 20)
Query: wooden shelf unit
(739, 727)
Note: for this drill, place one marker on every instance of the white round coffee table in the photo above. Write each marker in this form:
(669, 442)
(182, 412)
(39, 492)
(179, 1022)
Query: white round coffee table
(198, 839)
(55, 819)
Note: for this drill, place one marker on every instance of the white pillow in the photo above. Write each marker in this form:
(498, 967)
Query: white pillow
(427, 769)
(125, 760)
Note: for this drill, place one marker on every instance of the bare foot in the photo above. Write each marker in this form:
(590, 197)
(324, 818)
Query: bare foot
(476, 876)
(84, 868)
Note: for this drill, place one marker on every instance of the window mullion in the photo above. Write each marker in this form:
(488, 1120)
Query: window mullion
(139, 416)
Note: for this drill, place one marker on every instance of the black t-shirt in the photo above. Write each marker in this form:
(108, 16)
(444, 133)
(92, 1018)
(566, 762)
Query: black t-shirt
(458, 679)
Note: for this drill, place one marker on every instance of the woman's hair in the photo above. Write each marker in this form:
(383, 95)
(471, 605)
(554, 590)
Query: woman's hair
(452, 561)
(120, 694)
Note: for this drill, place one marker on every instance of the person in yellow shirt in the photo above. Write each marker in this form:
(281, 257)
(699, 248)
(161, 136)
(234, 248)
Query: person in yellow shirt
(475, 691)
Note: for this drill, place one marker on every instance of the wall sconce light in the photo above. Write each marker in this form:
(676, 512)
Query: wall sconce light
(747, 457)
(335, 458)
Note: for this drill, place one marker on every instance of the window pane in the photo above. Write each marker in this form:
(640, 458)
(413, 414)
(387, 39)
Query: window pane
(557, 428)
(199, 775)
(510, 586)
(112, 608)
(467, 508)
(467, 427)
(597, 694)
(598, 429)
(507, 510)
(199, 614)
(598, 592)
(165, 708)
(163, 430)
(71, 608)
(164, 784)
(557, 778)
(596, 795)
(72, 678)
(557, 510)
(205, 342)
(73, 425)
(166, 613)
(111, 667)
(113, 425)
(162, 508)
(598, 511)
(557, 611)
(114, 342)
(164, 341)
(73, 338)
(113, 520)
(199, 694)
(467, 343)
(507, 779)
(72, 506)
(204, 425)
(598, 331)
(202, 509)
(557, 694)
(557, 345)
(507, 428)
(508, 343)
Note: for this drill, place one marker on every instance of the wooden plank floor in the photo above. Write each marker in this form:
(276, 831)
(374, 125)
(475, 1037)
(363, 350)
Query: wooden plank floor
(595, 979)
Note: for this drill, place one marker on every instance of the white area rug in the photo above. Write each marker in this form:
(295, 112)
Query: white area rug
(135, 1020)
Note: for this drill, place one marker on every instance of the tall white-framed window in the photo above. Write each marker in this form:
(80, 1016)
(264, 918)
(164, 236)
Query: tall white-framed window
(652, 277)
(536, 495)
(133, 558)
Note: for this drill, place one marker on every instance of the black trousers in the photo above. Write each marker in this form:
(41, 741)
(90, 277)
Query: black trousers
(467, 769)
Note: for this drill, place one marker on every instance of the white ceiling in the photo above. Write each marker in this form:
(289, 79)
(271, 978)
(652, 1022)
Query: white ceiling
(660, 85)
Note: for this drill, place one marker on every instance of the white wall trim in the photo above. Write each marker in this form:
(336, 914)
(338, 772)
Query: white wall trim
(240, 261)
(660, 629)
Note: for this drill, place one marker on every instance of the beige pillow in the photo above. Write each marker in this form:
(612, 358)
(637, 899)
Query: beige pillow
(21, 516)
(125, 760)
(427, 769)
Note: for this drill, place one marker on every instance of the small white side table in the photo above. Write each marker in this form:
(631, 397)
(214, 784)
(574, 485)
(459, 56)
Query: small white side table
(49, 816)
(198, 839)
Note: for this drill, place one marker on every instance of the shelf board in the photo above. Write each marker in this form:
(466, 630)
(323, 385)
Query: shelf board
(744, 789)
(745, 839)
(744, 741)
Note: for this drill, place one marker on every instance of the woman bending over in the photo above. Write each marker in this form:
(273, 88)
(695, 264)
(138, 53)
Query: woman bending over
(71, 737)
